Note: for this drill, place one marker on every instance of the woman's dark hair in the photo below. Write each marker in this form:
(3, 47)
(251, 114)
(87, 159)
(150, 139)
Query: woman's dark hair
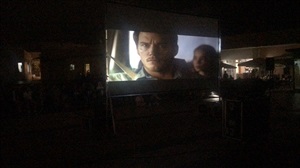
(208, 50)
(211, 56)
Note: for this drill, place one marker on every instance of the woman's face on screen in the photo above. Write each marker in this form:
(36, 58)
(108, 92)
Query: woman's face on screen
(200, 61)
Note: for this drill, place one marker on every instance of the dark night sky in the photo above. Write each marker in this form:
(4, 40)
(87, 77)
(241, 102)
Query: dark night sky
(80, 21)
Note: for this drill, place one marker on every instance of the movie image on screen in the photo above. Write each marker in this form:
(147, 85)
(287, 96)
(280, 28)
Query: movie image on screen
(137, 55)
(151, 51)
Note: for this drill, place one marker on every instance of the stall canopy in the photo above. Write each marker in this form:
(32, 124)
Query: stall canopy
(285, 59)
(257, 62)
(227, 66)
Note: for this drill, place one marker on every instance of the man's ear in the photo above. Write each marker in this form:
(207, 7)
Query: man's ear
(175, 50)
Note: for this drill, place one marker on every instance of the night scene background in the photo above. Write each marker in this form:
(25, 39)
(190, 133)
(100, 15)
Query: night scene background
(57, 109)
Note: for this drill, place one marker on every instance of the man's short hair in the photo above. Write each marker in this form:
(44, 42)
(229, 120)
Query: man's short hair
(173, 36)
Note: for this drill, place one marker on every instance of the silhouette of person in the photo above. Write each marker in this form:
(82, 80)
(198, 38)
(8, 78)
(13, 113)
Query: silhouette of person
(225, 75)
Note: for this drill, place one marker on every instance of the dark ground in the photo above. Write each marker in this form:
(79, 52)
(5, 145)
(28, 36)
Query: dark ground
(69, 139)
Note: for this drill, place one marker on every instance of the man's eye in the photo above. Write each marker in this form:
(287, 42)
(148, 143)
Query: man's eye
(144, 45)
(163, 46)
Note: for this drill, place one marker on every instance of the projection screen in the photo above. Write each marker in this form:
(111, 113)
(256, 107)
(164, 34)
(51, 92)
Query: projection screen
(152, 51)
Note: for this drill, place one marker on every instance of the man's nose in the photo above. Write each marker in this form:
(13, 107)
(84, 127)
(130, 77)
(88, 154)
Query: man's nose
(153, 49)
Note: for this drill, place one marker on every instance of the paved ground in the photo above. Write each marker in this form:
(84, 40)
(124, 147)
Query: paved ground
(187, 140)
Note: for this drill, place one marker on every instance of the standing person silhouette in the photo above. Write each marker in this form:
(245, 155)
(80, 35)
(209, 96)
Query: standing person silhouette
(225, 75)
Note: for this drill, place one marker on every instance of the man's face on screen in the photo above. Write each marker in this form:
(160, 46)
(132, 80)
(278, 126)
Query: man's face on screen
(157, 51)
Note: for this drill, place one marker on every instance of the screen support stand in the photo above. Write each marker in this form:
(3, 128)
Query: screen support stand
(109, 109)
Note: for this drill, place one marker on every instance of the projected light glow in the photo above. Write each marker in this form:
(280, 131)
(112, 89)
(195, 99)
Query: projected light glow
(124, 53)
(20, 66)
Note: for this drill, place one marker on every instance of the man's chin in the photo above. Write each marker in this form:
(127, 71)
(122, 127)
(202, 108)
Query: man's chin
(154, 68)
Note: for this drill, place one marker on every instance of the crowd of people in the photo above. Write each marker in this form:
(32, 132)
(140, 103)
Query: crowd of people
(33, 99)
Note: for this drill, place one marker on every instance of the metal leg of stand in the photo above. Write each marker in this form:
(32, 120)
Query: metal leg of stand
(112, 116)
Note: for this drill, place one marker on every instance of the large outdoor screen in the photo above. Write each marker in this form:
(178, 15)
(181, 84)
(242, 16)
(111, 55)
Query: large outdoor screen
(153, 51)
